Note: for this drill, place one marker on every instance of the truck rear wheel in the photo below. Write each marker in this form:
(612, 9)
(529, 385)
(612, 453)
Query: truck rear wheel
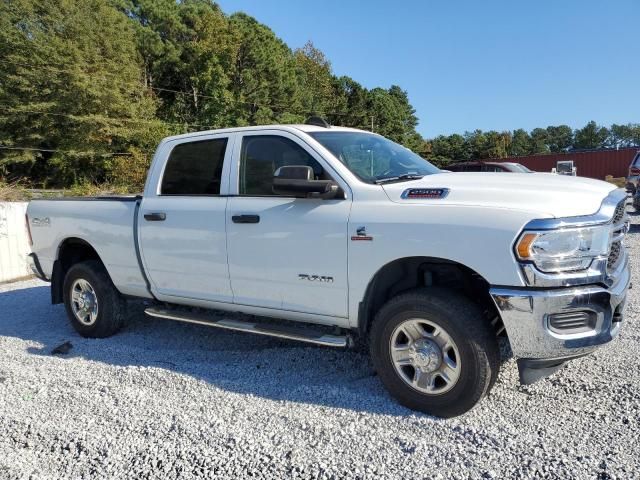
(434, 351)
(94, 306)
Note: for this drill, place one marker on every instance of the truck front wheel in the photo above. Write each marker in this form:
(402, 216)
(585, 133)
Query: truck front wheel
(434, 351)
(94, 306)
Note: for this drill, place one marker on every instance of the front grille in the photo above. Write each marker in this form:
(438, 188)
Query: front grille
(614, 255)
(619, 213)
(616, 251)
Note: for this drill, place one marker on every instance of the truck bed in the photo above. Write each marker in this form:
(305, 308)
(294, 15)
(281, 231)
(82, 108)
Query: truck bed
(107, 223)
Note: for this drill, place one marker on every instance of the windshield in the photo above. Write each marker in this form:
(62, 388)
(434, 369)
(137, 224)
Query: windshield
(373, 158)
(518, 167)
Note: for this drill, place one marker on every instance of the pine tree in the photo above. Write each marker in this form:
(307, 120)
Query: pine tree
(71, 84)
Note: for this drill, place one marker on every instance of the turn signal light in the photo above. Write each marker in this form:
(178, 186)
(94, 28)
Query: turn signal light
(524, 245)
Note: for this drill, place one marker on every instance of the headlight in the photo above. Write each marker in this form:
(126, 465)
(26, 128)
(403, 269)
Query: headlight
(564, 250)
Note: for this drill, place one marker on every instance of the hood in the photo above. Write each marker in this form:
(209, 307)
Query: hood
(544, 193)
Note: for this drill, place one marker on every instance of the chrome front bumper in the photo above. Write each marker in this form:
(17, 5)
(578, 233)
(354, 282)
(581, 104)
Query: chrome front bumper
(525, 314)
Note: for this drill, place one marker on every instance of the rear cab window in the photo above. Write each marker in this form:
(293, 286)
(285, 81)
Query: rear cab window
(194, 168)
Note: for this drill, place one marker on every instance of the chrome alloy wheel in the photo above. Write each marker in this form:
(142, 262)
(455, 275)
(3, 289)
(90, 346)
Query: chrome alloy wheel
(84, 302)
(425, 356)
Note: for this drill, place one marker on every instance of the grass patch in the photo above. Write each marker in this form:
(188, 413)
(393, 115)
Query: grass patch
(96, 190)
(13, 192)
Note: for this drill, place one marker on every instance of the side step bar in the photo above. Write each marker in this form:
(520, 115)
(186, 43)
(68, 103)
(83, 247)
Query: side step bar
(292, 332)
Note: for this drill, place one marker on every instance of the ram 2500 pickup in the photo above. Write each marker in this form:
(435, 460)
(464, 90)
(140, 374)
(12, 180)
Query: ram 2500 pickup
(348, 238)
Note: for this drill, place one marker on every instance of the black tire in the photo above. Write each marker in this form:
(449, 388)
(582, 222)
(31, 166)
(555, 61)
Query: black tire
(468, 328)
(112, 307)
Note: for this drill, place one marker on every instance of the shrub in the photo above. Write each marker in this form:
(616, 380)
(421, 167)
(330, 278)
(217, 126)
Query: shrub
(13, 192)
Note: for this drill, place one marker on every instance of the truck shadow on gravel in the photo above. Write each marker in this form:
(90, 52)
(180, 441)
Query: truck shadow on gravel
(275, 369)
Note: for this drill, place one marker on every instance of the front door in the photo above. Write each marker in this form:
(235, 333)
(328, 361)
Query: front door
(285, 253)
(182, 225)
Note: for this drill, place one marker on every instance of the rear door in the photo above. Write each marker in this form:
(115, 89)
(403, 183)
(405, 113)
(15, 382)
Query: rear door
(182, 226)
(285, 253)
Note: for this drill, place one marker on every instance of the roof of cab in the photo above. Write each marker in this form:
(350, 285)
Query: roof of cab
(301, 127)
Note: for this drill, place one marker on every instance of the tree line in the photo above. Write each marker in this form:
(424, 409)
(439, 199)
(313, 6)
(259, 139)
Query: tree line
(446, 149)
(89, 87)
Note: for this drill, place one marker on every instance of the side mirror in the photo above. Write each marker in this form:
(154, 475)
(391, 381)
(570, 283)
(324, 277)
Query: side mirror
(297, 181)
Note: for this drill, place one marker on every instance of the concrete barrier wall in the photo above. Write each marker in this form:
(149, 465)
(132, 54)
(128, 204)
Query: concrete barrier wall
(14, 241)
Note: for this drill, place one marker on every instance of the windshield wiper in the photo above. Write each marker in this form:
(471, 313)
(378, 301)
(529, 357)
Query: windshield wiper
(398, 178)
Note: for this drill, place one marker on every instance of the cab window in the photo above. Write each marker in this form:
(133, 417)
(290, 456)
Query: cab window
(194, 168)
(262, 155)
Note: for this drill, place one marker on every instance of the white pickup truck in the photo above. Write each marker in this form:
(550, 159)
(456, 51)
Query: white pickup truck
(348, 238)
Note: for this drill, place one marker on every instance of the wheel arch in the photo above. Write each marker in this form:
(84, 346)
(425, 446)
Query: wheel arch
(408, 273)
(71, 250)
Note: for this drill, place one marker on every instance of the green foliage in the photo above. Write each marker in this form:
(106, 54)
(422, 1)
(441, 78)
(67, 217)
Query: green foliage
(492, 144)
(539, 141)
(85, 189)
(591, 136)
(520, 143)
(394, 117)
(264, 83)
(70, 88)
(559, 138)
(90, 86)
(317, 84)
(497, 144)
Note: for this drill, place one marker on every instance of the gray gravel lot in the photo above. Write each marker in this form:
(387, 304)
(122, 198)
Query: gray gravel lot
(168, 400)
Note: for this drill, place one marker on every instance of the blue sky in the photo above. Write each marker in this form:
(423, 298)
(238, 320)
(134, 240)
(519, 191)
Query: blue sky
(478, 64)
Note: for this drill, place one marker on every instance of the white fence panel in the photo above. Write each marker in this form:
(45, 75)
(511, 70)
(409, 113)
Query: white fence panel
(14, 241)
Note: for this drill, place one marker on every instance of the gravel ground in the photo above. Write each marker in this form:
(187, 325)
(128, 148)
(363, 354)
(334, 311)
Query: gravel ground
(167, 400)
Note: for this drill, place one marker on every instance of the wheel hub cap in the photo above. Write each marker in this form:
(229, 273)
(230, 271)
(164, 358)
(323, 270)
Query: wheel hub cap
(84, 302)
(426, 355)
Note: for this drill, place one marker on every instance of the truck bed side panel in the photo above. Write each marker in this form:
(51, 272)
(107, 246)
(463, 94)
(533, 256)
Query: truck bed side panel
(105, 224)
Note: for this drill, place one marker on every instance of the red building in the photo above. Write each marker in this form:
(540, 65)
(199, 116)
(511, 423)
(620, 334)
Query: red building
(590, 163)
